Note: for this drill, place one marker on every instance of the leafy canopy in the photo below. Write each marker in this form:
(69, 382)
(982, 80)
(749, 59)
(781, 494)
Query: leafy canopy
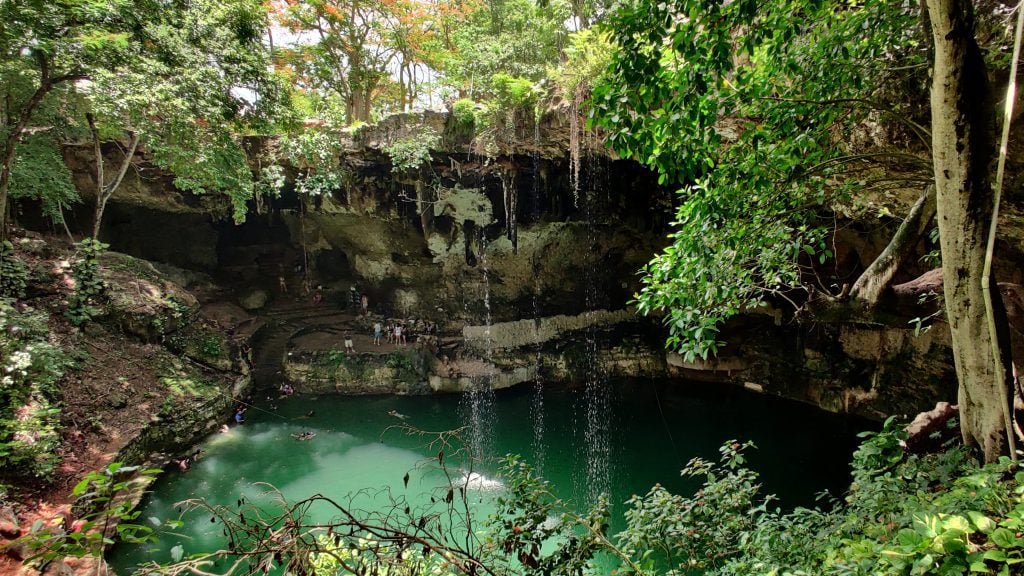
(186, 77)
(749, 106)
(198, 80)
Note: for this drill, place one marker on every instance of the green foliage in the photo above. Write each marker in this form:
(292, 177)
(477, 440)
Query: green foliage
(13, 272)
(512, 100)
(316, 153)
(172, 72)
(517, 38)
(347, 66)
(205, 163)
(536, 533)
(413, 151)
(172, 318)
(270, 182)
(700, 531)
(39, 173)
(180, 92)
(369, 556)
(464, 112)
(509, 91)
(905, 514)
(399, 361)
(587, 58)
(210, 346)
(86, 302)
(104, 499)
(312, 149)
(317, 184)
(29, 370)
(750, 106)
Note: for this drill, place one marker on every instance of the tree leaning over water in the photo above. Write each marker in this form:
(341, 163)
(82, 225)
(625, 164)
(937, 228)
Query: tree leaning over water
(768, 115)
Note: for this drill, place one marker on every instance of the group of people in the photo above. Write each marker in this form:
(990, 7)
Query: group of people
(185, 463)
(394, 333)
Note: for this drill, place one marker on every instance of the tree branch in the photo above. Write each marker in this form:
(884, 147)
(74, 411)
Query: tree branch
(873, 282)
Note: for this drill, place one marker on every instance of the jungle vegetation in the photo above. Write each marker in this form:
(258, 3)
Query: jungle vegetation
(771, 118)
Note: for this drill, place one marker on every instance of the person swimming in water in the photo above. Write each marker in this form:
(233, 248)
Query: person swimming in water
(397, 414)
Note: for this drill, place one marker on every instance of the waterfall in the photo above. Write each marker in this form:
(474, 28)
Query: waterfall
(597, 413)
(511, 199)
(537, 402)
(597, 395)
(479, 401)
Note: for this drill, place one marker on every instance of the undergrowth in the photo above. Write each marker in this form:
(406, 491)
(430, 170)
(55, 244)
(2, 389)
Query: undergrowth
(30, 367)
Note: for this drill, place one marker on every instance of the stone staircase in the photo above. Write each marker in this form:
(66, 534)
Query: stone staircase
(283, 323)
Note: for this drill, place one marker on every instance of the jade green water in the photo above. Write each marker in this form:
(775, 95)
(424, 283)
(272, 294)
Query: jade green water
(358, 457)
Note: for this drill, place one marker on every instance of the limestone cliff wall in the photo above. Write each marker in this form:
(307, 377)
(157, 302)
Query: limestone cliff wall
(480, 243)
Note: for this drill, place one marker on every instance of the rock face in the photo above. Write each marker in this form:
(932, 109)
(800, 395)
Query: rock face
(526, 275)
(465, 233)
(868, 370)
(569, 348)
(522, 333)
(253, 299)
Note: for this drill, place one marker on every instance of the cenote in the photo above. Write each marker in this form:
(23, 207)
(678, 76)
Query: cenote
(359, 457)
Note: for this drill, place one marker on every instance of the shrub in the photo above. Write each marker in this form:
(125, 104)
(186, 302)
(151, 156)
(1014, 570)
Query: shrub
(905, 514)
(513, 91)
(13, 273)
(412, 151)
(587, 59)
(463, 113)
(90, 290)
(103, 499)
(29, 370)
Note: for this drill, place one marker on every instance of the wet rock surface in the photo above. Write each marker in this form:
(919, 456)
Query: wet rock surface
(514, 266)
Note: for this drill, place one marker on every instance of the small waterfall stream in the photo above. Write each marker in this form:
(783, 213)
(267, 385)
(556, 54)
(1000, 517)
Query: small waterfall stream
(597, 428)
(537, 401)
(479, 402)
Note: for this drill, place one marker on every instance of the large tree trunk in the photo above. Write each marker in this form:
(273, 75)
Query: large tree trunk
(963, 140)
(873, 282)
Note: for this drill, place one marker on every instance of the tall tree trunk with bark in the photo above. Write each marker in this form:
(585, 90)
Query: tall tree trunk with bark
(963, 140)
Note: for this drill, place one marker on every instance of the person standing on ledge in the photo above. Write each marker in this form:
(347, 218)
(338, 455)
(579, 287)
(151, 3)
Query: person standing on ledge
(348, 344)
(376, 333)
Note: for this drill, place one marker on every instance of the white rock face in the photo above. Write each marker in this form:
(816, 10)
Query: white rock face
(520, 333)
(464, 204)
